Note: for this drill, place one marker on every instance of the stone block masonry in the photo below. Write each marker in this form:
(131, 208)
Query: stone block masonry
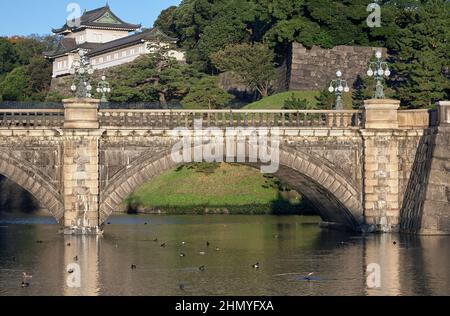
(313, 69)
(81, 138)
(381, 163)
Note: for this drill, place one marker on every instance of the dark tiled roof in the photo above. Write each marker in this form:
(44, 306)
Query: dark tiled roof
(89, 19)
(67, 45)
(147, 35)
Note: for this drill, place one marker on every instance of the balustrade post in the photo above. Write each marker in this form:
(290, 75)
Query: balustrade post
(444, 113)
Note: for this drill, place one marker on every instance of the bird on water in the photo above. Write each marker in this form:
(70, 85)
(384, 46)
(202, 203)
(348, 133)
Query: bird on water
(256, 266)
(25, 277)
(309, 277)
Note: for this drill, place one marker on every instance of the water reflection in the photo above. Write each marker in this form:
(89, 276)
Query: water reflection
(288, 249)
(81, 266)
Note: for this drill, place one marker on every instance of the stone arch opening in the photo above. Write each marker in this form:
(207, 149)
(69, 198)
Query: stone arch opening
(336, 198)
(28, 178)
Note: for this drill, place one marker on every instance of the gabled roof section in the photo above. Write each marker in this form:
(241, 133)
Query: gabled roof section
(153, 34)
(101, 18)
(69, 45)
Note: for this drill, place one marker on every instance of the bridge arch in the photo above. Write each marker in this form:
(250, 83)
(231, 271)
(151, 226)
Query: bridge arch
(337, 198)
(26, 176)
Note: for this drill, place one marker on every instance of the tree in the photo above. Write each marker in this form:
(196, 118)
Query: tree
(326, 100)
(153, 77)
(165, 21)
(39, 77)
(360, 93)
(8, 57)
(15, 85)
(207, 93)
(422, 58)
(294, 103)
(252, 64)
(28, 47)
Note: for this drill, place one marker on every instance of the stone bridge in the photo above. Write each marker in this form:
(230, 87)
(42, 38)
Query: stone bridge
(378, 169)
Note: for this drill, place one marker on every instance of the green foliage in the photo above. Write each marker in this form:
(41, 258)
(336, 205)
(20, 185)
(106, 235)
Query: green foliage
(230, 188)
(277, 101)
(294, 103)
(206, 93)
(422, 60)
(252, 64)
(29, 82)
(360, 93)
(27, 48)
(153, 77)
(15, 85)
(8, 57)
(54, 96)
(39, 76)
(165, 21)
(326, 100)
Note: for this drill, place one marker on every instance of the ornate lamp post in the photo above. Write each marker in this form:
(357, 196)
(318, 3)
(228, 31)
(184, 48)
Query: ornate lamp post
(103, 88)
(339, 86)
(82, 71)
(381, 70)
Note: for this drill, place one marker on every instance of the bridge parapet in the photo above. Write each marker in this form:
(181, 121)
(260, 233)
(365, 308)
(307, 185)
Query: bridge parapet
(169, 119)
(31, 118)
(421, 119)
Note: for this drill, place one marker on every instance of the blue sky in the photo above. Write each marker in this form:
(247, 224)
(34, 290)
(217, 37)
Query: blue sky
(24, 17)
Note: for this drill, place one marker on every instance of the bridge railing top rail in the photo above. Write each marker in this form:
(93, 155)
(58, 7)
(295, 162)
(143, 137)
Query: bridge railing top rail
(231, 111)
(168, 119)
(31, 111)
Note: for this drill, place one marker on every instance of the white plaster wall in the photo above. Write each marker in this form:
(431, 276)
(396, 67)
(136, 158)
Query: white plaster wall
(104, 36)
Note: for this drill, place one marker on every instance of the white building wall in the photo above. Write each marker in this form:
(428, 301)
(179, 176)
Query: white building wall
(97, 36)
(62, 65)
(118, 57)
(104, 36)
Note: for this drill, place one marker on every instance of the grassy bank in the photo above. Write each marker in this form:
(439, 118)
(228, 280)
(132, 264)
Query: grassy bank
(276, 101)
(214, 188)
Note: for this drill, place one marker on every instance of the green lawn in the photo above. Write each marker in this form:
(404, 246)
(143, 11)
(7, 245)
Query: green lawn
(236, 188)
(276, 101)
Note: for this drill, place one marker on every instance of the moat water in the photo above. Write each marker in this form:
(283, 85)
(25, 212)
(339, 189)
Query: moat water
(287, 249)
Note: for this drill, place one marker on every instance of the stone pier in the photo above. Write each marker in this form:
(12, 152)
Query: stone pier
(381, 163)
(81, 137)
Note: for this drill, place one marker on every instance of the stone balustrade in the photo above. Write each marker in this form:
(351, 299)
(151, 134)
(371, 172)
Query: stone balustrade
(31, 118)
(169, 119)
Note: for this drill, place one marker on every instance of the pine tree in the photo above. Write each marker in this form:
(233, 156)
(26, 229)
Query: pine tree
(422, 60)
(207, 93)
